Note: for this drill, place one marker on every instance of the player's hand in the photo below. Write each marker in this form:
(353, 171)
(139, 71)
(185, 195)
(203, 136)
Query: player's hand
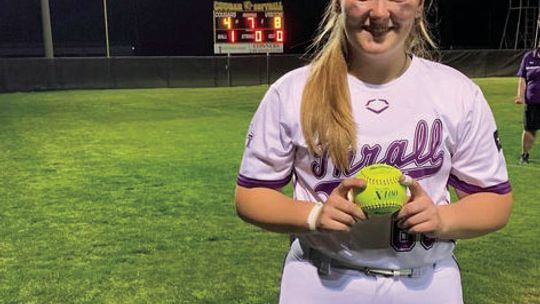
(420, 214)
(339, 213)
(519, 100)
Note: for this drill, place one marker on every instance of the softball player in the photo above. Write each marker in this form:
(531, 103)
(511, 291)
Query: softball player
(367, 98)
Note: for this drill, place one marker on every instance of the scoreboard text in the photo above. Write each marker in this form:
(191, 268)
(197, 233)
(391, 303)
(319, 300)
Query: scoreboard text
(248, 32)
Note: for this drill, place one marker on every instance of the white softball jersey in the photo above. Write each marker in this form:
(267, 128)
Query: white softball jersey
(432, 122)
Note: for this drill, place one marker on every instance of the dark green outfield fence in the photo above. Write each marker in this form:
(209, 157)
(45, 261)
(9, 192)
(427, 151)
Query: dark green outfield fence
(484, 63)
(30, 74)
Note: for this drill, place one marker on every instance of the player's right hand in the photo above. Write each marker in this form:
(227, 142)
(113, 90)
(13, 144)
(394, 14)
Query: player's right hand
(519, 100)
(338, 213)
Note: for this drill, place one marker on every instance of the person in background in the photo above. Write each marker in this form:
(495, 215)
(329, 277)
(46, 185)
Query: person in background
(528, 94)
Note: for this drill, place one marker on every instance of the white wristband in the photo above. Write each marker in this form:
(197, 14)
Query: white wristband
(314, 216)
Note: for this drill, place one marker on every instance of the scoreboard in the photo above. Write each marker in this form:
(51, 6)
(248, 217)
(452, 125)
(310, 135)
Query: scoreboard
(246, 28)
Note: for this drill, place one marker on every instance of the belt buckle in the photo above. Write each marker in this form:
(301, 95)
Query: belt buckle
(391, 273)
(374, 272)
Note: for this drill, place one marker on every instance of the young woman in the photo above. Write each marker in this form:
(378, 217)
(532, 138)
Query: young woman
(367, 97)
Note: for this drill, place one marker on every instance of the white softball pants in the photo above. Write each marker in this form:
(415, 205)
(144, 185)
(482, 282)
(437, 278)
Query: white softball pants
(301, 283)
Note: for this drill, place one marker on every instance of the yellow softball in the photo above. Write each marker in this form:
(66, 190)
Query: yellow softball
(383, 193)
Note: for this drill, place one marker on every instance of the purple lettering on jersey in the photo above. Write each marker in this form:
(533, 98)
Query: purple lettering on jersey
(394, 153)
(368, 156)
(318, 166)
(428, 162)
(326, 188)
(424, 159)
(337, 172)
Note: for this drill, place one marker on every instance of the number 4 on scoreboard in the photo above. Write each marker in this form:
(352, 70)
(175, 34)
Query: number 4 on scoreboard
(227, 22)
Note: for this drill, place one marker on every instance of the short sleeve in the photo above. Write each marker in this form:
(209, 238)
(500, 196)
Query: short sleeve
(478, 164)
(268, 154)
(522, 71)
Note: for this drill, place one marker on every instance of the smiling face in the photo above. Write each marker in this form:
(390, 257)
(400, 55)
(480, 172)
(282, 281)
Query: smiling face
(379, 27)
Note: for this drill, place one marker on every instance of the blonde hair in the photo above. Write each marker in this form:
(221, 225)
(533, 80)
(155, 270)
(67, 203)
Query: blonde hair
(327, 121)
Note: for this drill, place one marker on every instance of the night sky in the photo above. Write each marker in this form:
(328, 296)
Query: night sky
(184, 28)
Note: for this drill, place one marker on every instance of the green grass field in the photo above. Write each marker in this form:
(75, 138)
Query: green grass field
(126, 196)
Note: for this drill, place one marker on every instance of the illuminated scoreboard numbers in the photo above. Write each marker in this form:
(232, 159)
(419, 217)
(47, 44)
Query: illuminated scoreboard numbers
(228, 23)
(279, 36)
(251, 22)
(276, 36)
(227, 36)
(250, 26)
(248, 31)
(278, 22)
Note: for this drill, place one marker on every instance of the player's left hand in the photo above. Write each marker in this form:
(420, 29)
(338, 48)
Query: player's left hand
(420, 214)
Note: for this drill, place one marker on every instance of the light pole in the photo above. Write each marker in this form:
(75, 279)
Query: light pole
(46, 26)
(105, 18)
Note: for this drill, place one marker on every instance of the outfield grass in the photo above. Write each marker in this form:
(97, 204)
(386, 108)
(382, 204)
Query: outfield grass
(126, 196)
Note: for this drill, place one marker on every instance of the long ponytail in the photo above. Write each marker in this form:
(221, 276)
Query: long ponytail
(326, 113)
